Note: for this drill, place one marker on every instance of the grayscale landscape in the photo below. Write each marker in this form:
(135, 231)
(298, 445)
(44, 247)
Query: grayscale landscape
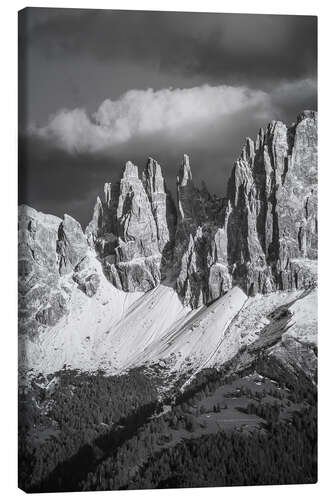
(168, 321)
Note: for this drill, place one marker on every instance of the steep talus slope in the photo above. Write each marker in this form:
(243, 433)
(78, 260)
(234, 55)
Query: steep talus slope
(75, 339)
(184, 283)
(115, 331)
(195, 341)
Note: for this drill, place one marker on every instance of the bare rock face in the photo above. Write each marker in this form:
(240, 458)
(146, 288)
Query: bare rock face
(42, 301)
(86, 277)
(48, 248)
(135, 263)
(133, 229)
(272, 225)
(162, 208)
(199, 265)
(71, 245)
(263, 236)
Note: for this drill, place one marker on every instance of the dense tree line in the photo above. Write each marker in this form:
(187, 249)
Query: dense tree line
(260, 451)
(81, 409)
(108, 435)
(284, 455)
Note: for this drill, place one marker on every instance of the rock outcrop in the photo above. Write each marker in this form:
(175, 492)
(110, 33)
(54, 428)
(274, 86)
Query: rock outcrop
(41, 299)
(49, 252)
(71, 245)
(272, 225)
(198, 216)
(86, 277)
(133, 229)
(162, 208)
(263, 235)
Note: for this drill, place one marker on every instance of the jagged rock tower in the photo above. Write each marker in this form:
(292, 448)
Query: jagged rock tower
(133, 229)
(262, 236)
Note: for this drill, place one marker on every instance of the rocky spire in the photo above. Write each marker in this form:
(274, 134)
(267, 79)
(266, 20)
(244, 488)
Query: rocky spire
(260, 237)
(190, 208)
(134, 259)
(266, 237)
(307, 113)
(162, 205)
(107, 194)
(185, 174)
(71, 245)
(96, 224)
(248, 150)
(152, 178)
(130, 170)
(270, 226)
(260, 139)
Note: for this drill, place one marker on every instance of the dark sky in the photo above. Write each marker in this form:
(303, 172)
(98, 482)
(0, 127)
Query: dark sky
(100, 87)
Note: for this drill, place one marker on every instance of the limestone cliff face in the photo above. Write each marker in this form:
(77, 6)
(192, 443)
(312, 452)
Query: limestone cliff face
(133, 229)
(196, 248)
(162, 207)
(71, 245)
(272, 225)
(50, 250)
(263, 236)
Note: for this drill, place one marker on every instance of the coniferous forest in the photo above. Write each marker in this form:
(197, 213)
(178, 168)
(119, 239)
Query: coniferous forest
(96, 432)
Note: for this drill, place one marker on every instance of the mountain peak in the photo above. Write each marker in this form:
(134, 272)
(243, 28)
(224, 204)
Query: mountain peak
(307, 113)
(185, 174)
(107, 193)
(152, 177)
(130, 170)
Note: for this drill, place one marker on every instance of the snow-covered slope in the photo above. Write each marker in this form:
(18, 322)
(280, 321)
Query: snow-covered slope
(114, 330)
(146, 323)
(303, 324)
(196, 340)
(73, 340)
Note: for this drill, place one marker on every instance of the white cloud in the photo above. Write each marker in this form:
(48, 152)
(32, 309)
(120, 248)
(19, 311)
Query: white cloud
(144, 112)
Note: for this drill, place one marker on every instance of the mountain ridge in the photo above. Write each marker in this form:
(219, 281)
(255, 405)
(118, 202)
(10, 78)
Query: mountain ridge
(249, 238)
(259, 239)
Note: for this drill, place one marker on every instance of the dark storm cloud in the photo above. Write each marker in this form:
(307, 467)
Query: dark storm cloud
(239, 48)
